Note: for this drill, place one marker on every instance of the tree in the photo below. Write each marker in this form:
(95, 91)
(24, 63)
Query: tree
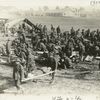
(57, 8)
(39, 9)
(45, 8)
(66, 7)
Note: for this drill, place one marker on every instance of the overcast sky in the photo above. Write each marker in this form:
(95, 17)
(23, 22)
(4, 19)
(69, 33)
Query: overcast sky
(39, 3)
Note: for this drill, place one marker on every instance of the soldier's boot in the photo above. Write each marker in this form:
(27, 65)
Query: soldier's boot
(17, 84)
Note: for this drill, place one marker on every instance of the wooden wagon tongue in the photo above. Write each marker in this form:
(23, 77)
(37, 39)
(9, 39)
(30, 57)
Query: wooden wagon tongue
(34, 77)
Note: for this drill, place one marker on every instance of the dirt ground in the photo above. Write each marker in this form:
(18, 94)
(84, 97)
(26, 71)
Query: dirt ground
(64, 83)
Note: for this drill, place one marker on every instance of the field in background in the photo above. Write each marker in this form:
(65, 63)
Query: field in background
(66, 23)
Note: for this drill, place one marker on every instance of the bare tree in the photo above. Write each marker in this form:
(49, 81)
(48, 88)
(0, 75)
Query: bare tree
(45, 8)
(66, 7)
(39, 9)
(57, 8)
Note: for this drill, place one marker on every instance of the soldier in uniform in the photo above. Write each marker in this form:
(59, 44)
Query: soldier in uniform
(72, 31)
(22, 37)
(52, 60)
(58, 31)
(18, 73)
(65, 62)
(45, 30)
(31, 63)
(8, 47)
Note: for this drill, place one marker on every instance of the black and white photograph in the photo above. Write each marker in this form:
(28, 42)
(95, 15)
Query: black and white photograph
(50, 49)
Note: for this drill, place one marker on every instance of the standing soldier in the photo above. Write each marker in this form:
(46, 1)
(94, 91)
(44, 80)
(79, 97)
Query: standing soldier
(52, 28)
(58, 31)
(72, 31)
(33, 39)
(31, 63)
(23, 26)
(45, 30)
(83, 32)
(8, 49)
(18, 73)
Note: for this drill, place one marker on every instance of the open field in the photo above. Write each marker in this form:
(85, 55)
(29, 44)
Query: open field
(64, 84)
(66, 23)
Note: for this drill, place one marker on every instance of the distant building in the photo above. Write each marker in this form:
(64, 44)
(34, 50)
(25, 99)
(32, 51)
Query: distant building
(59, 13)
(54, 13)
(39, 13)
(68, 14)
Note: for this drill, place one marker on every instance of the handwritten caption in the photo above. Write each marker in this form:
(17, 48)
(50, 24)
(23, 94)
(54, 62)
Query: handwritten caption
(66, 98)
(94, 2)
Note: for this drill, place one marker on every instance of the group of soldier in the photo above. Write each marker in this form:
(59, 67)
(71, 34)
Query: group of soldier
(58, 45)
(86, 42)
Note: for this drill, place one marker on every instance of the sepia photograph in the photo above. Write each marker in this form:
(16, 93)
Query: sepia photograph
(50, 49)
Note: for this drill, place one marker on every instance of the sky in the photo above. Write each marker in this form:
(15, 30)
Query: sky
(24, 4)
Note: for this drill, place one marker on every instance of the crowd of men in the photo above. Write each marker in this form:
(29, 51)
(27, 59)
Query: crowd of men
(58, 45)
(86, 42)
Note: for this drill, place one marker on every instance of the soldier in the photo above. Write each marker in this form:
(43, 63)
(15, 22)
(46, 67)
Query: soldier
(58, 31)
(8, 47)
(18, 73)
(52, 28)
(45, 30)
(22, 37)
(31, 63)
(33, 39)
(67, 62)
(23, 26)
(52, 61)
(72, 31)
(83, 32)
(81, 50)
(43, 46)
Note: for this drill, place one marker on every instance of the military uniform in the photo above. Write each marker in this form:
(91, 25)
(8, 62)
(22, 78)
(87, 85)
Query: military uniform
(18, 73)
(8, 47)
(31, 63)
